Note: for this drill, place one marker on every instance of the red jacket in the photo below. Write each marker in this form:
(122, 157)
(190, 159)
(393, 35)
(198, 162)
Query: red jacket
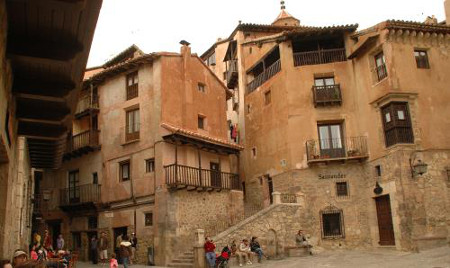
(209, 247)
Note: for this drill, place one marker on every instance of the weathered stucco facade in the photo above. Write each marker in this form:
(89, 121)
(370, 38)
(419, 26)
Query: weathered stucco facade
(297, 141)
(162, 160)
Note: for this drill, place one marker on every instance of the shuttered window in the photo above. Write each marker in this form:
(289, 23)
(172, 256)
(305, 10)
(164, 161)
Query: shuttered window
(397, 123)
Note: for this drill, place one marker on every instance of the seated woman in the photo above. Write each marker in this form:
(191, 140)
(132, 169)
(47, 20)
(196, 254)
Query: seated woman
(244, 251)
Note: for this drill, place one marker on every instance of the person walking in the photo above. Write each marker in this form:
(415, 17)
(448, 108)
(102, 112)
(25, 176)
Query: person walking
(94, 249)
(103, 248)
(125, 251)
(210, 253)
(60, 242)
(134, 242)
(117, 250)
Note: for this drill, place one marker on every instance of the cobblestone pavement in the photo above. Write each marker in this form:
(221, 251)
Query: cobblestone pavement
(378, 258)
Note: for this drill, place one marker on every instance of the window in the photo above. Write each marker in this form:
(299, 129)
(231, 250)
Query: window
(397, 123)
(254, 152)
(380, 66)
(324, 82)
(249, 108)
(250, 50)
(341, 188)
(132, 125)
(124, 170)
(94, 178)
(332, 222)
(378, 170)
(201, 87)
(148, 219)
(201, 122)
(267, 97)
(421, 59)
(132, 85)
(211, 60)
(331, 141)
(150, 165)
(92, 223)
(7, 125)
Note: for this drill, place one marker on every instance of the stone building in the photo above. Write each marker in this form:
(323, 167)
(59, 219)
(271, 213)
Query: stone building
(356, 121)
(40, 72)
(148, 154)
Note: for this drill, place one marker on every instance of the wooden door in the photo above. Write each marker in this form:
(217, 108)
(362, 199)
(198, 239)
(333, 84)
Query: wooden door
(74, 189)
(215, 175)
(384, 216)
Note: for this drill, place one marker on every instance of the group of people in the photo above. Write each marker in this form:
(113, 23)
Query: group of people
(20, 259)
(245, 251)
(125, 249)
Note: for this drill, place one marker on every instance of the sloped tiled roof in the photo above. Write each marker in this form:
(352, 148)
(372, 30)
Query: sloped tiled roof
(199, 136)
(125, 55)
(416, 26)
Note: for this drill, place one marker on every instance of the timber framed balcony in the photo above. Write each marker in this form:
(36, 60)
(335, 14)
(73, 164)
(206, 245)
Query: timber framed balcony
(86, 104)
(337, 149)
(80, 198)
(327, 95)
(264, 76)
(82, 143)
(321, 56)
(232, 73)
(194, 178)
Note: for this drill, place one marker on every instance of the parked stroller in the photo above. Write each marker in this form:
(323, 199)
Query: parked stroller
(222, 260)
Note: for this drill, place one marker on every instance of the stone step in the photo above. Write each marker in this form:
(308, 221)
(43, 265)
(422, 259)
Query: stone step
(181, 265)
(183, 260)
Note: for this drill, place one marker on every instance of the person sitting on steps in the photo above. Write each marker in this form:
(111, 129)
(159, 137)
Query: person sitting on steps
(256, 248)
(302, 241)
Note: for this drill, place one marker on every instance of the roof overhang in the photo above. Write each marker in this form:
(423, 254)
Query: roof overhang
(48, 46)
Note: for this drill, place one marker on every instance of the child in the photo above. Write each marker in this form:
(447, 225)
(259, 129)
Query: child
(113, 262)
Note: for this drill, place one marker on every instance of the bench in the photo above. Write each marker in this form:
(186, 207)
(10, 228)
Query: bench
(297, 251)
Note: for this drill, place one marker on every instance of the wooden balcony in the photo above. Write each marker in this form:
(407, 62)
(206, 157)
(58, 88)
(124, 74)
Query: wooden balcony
(264, 76)
(321, 56)
(340, 149)
(82, 143)
(327, 95)
(132, 91)
(86, 104)
(80, 198)
(232, 74)
(180, 177)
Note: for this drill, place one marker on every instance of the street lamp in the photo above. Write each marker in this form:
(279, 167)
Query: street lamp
(417, 167)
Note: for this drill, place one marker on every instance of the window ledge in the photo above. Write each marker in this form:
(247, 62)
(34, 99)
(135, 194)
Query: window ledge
(130, 142)
(381, 81)
(400, 145)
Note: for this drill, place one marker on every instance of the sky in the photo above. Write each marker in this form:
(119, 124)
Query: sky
(160, 25)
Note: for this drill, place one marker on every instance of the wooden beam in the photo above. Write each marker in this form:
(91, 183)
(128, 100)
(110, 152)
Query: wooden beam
(55, 87)
(43, 50)
(41, 110)
(41, 130)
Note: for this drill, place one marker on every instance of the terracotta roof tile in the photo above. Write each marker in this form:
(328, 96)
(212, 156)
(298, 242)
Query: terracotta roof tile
(199, 136)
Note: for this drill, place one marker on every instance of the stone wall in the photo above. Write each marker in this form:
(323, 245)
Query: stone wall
(275, 227)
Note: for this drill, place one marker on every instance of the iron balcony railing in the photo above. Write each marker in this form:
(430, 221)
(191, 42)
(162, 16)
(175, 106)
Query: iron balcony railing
(87, 102)
(88, 193)
(327, 95)
(264, 76)
(132, 91)
(84, 139)
(321, 56)
(180, 175)
(338, 148)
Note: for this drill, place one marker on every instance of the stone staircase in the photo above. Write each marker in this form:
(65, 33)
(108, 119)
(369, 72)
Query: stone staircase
(184, 261)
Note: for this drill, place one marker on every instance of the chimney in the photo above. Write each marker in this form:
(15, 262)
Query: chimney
(185, 49)
(447, 11)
